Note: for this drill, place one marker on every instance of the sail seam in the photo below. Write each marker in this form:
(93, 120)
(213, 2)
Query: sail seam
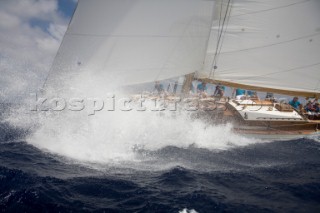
(292, 69)
(173, 50)
(137, 36)
(269, 45)
(317, 86)
(275, 8)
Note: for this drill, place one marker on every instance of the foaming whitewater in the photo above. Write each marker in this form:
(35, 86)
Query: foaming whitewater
(118, 137)
(110, 137)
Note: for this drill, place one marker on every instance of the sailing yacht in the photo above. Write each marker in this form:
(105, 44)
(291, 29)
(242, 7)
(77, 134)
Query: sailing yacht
(271, 46)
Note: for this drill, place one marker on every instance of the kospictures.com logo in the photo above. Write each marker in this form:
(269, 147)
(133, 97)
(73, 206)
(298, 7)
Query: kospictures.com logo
(111, 103)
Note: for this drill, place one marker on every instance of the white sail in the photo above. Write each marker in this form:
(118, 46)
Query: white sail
(134, 41)
(266, 44)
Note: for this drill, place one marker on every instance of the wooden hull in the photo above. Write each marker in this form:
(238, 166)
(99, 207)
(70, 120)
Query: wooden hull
(276, 134)
(271, 124)
(269, 130)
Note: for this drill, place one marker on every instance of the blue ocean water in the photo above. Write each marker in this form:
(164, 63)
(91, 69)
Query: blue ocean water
(278, 176)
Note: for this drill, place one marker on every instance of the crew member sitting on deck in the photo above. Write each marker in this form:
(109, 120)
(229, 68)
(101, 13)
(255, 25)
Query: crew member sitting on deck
(309, 107)
(310, 110)
(252, 94)
(240, 93)
(201, 89)
(317, 107)
(314, 102)
(269, 95)
(219, 91)
(317, 111)
(295, 103)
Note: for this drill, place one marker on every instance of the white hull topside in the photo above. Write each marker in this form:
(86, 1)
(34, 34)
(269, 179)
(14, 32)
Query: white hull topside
(263, 111)
(263, 120)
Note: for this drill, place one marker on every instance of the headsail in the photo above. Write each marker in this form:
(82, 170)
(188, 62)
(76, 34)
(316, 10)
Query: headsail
(269, 45)
(135, 41)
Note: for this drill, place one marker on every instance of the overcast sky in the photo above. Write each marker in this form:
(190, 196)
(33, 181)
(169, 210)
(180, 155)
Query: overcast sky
(30, 34)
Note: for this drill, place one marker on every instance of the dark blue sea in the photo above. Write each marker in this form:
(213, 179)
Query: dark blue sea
(277, 176)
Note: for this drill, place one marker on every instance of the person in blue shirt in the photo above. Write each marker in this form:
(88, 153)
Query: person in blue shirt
(202, 90)
(239, 93)
(295, 103)
(202, 87)
(250, 93)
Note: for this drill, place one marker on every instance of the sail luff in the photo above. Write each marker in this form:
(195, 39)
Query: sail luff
(54, 60)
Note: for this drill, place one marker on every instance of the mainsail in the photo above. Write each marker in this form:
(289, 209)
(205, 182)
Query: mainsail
(271, 45)
(134, 41)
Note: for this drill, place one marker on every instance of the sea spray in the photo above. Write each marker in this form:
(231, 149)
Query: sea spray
(115, 136)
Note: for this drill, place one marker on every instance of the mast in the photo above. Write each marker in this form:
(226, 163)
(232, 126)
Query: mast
(187, 84)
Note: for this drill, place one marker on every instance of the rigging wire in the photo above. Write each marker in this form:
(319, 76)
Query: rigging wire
(220, 16)
(220, 32)
(226, 28)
